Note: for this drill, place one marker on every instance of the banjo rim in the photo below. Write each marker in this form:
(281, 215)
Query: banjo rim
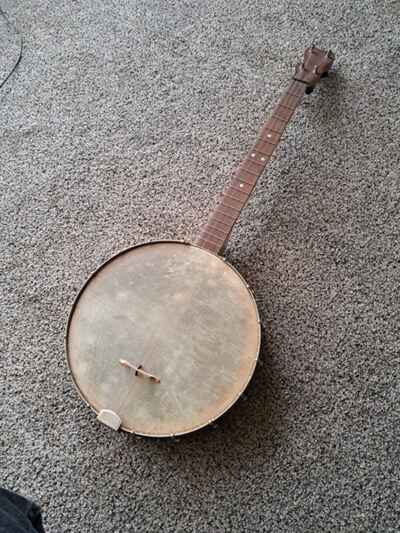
(103, 265)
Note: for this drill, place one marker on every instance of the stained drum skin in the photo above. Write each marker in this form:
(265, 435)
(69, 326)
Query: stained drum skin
(166, 335)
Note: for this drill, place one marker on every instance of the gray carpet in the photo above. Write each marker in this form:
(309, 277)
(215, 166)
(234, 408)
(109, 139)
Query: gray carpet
(122, 124)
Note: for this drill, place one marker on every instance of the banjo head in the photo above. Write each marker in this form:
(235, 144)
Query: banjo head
(164, 338)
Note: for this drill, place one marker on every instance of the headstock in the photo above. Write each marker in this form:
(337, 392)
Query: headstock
(316, 64)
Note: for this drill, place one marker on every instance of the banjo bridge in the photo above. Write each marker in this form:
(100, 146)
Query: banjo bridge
(139, 371)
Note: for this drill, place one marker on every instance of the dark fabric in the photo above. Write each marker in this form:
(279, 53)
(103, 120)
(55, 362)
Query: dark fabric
(18, 515)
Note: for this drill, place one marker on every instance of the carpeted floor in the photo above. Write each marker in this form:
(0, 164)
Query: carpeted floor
(122, 124)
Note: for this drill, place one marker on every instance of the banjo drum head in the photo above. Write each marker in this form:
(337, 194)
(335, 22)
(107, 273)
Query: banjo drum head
(165, 336)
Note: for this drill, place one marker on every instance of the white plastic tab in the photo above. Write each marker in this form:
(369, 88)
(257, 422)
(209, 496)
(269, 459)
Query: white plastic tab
(109, 418)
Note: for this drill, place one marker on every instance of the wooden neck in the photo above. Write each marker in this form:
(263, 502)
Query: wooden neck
(219, 226)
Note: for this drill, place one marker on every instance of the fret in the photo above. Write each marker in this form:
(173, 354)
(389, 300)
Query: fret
(267, 139)
(245, 177)
(254, 157)
(234, 194)
(284, 112)
(291, 101)
(293, 94)
(209, 245)
(214, 224)
(236, 190)
(253, 167)
(200, 242)
(276, 125)
(299, 87)
(204, 239)
(254, 173)
(293, 85)
(215, 219)
(266, 148)
(277, 117)
(215, 238)
(268, 127)
(293, 89)
(280, 124)
(269, 135)
(292, 109)
(222, 209)
(258, 156)
(244, 185)
(230, 197)
(236, 205)
(232, 204)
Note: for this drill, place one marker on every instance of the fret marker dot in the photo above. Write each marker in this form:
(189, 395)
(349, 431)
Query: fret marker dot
(253, 155)
(241, 185)
(269, 135)
(263, 159)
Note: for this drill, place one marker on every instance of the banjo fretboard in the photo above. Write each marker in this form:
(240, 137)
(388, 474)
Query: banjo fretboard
(234, 197)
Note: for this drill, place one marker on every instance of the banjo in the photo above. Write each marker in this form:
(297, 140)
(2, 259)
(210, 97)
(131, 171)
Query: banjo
(164, 337)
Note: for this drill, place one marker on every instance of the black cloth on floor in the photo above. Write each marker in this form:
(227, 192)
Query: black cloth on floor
(18, 515)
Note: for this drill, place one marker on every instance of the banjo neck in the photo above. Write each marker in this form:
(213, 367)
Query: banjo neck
(216, 232)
